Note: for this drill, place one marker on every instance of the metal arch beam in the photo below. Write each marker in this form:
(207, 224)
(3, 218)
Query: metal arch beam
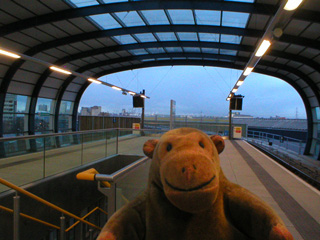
(265, 9)
(76, 105)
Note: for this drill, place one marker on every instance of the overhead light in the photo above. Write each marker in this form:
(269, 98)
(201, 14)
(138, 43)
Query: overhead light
(239, 83)
(263, 48)
(116, 88)
(143, 96)
(230, 95)
(292, 5)
(60, 70)
(9, 54)
(132, 93)
(228, 99)
(248, 71)
(94, 80)
(234, 90)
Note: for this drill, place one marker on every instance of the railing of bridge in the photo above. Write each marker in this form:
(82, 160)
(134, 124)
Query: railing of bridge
(27, 159)
(278, 141)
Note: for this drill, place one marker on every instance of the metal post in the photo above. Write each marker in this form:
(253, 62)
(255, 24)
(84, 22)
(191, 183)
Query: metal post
(230, 122)
(16, 217)
(62, 228)
(142, 114)
(91, 234)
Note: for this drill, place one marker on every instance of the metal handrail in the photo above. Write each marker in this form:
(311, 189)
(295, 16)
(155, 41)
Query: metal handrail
(51, 205)
(31, 218)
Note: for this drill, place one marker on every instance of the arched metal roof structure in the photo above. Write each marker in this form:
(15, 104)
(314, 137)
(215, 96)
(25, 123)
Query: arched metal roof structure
(100, 37)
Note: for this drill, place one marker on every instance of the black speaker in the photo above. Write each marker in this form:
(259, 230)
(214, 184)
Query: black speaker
(138, 102)
(236, 103)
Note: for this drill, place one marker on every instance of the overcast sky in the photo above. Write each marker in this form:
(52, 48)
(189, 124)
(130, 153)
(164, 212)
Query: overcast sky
(196, 90)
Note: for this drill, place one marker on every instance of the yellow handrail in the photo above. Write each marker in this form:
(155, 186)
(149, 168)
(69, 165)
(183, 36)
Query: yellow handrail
(21, 190)
(85, 216)
(31, 218)
(89, 175)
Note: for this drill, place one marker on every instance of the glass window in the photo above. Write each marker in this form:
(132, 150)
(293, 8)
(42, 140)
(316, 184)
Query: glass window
(84, 3)
(43, 124)
(146, 37)
(106, 21)
(130, 19)
(245, 1)
(147, 60)
(155, 17)
(44, 105)
(228, 52)
(187, 36)
(210, 50)
(155, 50)
(65, 123)
(15, 124)
(173, 49)
(235, 39)
(209, 37)
(181, 16)
(191, 49)
(207, 17)
(66, 107)
(234, 19)
(138, 51)
(167, 36)
(16, 104)
(124, 39)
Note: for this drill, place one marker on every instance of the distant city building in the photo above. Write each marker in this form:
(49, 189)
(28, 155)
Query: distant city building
(85, 111)
(239, 115)
(91, 111)
(95, 110)
(43, 108)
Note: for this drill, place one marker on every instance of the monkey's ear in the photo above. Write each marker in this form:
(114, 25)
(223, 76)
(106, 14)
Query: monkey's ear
(218, 142)
(149, 147)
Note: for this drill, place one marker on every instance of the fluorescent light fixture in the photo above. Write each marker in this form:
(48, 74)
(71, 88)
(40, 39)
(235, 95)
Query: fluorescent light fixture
(9, 54)
(230, 95)
(228, 99)
(248, 71)
(60, 70)
(234, 90)
(131, 93)
(143, 96)
(116, 88)
(263, 48)
(94, 80)
(239, 83)
(292, 5)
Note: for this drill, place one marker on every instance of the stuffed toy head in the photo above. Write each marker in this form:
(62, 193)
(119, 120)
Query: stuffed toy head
(186, 165)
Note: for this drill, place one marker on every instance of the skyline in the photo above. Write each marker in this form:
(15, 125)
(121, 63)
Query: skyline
(197, 91)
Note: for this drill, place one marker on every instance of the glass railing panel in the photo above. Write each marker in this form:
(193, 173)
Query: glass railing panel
(62, 153)
(23, 162)
(133, 184)
(111, 136)
(94, 146)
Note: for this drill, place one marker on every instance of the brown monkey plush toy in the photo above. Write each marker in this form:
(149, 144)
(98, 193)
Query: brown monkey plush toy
(189, 198)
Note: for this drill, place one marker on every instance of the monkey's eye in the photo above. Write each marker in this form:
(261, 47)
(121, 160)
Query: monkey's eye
(169, 147)
(201, 144)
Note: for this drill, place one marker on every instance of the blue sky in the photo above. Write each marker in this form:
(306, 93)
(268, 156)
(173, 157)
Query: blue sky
(196, 90)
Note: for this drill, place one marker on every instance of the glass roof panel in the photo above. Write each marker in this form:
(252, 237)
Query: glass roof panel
(209, 37)
(130, 19)
(163, 59)
(207, 17)
(188, 36)
(106, 21)
(156, 17)
(84, 3)
(234, 19)
(228, 52)
(156, 50)
(191, 49)
(114, 1)
(210, 50)
(146, 37)
(167, 36)
(181, 16)
(147, 60)
(138, 51)
(246, 1)
(235, 39)
(174, 49)
(124, 39)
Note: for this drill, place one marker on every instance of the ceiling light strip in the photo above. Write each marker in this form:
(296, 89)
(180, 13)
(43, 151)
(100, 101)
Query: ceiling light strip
(63, 70)
(281, 17)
